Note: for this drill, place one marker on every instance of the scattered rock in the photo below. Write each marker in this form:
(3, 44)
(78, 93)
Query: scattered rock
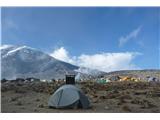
(37, 100)
(41, 106)
(19, 103)
(95, 100)
(137, 101)
(124, 97)
(147, 104)
(13, 99)
(155, 110)
(140, 93)
(102, 97)
(35, 110)
(121, 101)
(20, 90)
(106, 108)
(126, 108)
(155, 94)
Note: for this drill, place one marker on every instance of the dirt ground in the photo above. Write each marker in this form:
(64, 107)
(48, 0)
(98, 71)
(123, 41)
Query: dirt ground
(113, 97)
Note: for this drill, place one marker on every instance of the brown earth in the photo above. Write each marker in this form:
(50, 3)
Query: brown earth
(113, 97)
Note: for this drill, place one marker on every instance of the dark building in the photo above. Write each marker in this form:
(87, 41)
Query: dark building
(70, 79)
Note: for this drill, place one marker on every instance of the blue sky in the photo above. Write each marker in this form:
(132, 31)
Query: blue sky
(72, 34)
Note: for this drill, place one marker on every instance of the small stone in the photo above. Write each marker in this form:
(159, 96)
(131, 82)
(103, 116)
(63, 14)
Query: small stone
(37, 99)
(41, 106)
(35, 110)
(19, 103)
(126, 108)
(102, 97)
(106, 108)
(95, 100)
(13, 99)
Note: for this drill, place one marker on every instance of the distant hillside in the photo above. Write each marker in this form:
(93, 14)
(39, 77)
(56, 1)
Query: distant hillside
(138, 73)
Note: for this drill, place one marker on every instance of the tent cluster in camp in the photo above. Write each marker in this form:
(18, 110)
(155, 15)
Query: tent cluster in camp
(133, 78)
(128, 78)
(118, 78)
(103, 80)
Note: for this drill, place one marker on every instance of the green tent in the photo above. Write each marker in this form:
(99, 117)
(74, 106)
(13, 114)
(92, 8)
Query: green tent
(102, 81)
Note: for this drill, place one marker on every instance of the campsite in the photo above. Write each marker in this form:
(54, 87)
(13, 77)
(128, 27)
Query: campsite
(119, 96)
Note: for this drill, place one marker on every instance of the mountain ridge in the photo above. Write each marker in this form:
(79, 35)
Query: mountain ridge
(24, 61)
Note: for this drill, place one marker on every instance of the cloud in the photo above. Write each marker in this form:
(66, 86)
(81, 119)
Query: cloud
(62, 54)
(101, 61)
(123, 40)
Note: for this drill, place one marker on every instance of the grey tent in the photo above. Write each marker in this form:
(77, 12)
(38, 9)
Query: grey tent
(114, 78)
(68, 96)
(150, 79)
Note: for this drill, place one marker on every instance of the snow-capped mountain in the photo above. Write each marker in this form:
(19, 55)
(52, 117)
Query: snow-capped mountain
(23, 62)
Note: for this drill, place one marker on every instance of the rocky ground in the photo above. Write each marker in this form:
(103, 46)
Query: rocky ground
(112, 97)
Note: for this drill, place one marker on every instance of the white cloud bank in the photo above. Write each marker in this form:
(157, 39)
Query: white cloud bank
(102, 61)
(123, 40)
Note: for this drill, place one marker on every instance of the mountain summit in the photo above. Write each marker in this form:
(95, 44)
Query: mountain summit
(24, 61)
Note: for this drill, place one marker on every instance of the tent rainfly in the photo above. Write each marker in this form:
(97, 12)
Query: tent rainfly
(68, 96)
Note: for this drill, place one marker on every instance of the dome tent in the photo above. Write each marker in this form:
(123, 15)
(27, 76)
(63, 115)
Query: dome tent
(68, 96)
